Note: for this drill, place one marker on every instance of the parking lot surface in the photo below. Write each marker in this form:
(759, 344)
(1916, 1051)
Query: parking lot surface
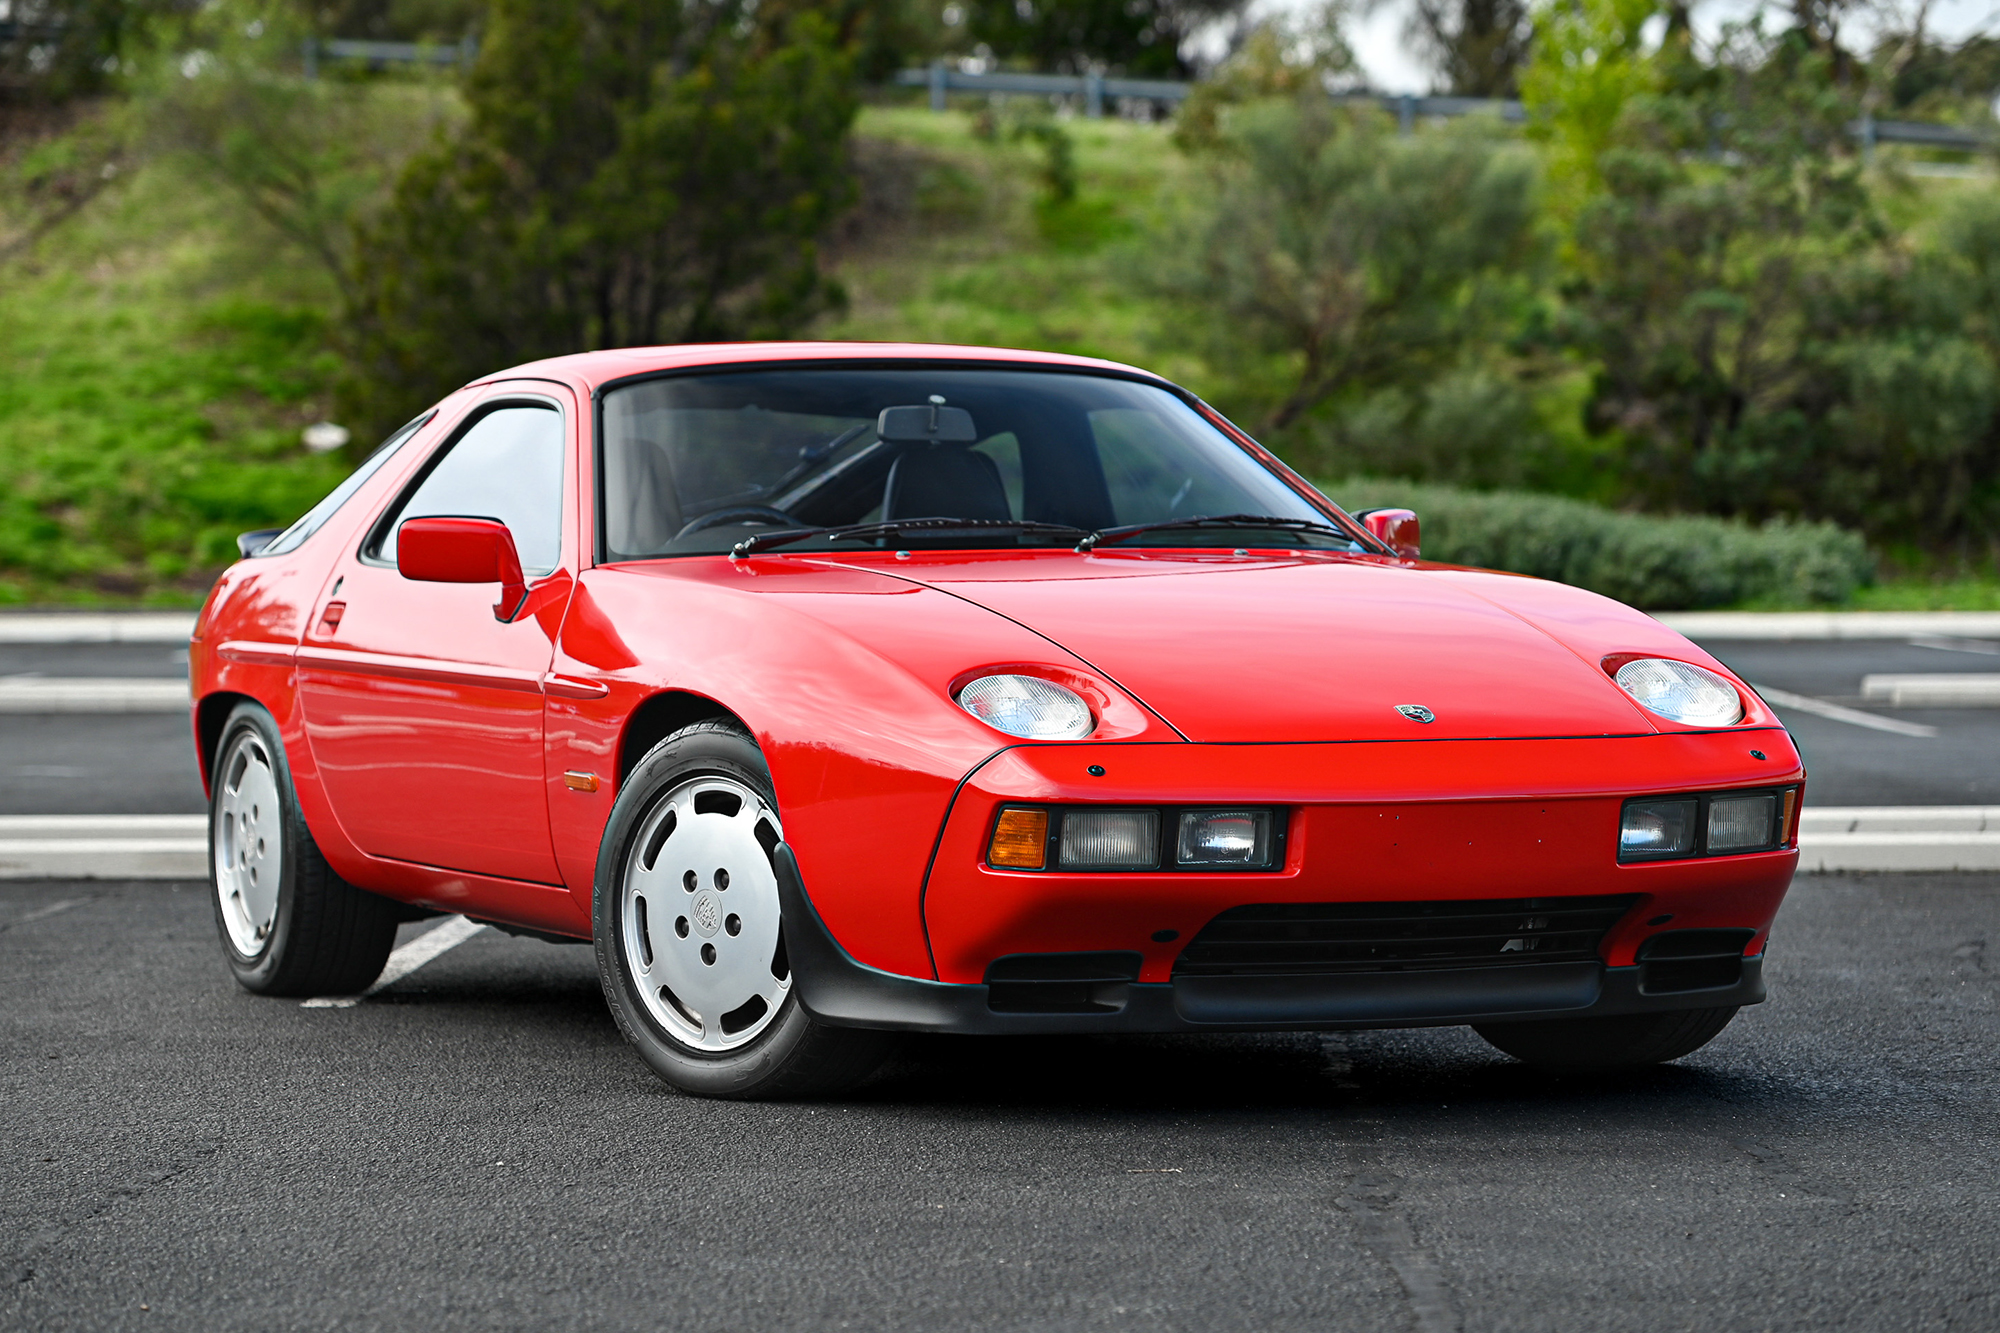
(475, 1148)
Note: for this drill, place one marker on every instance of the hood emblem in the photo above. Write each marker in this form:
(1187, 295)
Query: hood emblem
(1416, 712)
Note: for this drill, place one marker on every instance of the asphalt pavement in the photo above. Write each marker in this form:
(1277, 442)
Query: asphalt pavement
(475, 1148)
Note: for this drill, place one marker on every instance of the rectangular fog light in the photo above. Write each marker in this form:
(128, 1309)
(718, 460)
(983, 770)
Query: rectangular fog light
(1110, 839)
(1225, 838)
(1741, 823)
(1656, 828)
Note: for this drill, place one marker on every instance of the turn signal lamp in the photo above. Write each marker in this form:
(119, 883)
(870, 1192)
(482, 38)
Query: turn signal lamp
(1020, 840)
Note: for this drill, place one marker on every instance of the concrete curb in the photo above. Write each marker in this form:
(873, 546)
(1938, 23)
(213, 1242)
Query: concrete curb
(96, 626)
(103, 846)
(1794, 625)
(92, 694)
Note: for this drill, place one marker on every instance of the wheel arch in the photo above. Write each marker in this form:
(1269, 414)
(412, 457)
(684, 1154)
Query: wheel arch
(660, 716)
(210, 714)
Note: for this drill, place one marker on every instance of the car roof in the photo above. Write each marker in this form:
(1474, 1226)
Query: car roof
(596, 369)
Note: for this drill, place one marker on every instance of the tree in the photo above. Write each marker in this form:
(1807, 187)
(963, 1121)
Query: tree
(1479, 46)
(1766, 344)
(630, 174)
(1141, 37)
(1356, 257)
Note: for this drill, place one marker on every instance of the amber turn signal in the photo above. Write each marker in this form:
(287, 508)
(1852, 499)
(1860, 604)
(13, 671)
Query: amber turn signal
(1020, 840)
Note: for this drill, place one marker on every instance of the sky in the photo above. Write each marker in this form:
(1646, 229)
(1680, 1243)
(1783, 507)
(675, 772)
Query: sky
(1392, 67)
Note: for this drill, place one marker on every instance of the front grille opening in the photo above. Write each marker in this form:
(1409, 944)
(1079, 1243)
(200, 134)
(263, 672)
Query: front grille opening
(1061, 983)
(1293, 939)
(1686, 960)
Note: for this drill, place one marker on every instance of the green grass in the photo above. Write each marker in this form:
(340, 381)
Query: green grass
(160, 361)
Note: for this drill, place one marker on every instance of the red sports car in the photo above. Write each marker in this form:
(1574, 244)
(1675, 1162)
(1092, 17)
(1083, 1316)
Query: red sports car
(840, 690)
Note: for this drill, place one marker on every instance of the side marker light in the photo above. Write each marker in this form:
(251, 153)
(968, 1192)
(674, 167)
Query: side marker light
(1020, 840)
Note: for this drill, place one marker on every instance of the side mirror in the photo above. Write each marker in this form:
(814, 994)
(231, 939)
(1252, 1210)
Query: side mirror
(1396, 529)
(253, 542)
(463, 550)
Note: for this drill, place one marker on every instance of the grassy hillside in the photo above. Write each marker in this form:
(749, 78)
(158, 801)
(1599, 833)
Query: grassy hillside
(161, 350)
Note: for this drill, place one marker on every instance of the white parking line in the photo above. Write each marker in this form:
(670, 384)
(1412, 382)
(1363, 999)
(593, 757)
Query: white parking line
(1950, 645)
(1854, 717)
(59, 905)
(452, 932)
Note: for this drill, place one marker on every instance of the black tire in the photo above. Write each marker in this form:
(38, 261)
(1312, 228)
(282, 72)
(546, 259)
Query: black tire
(326, 936)
(793, 1056)
(1606, 1045)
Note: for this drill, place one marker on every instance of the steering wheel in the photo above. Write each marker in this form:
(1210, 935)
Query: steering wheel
(722, 518)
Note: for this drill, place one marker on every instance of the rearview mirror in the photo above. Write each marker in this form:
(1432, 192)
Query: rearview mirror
(928, 423)
(463, 550)
(1396, 529)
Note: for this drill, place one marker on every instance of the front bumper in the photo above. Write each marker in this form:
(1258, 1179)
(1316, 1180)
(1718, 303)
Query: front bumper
(837, 990)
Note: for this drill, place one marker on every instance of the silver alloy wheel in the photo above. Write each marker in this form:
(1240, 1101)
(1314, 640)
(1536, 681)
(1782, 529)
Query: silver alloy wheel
(699, 909)
(247, 842)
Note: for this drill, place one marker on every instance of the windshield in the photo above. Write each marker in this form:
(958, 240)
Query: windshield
(694, 464)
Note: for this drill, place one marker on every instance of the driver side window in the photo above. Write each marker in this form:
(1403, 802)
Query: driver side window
(508, 466)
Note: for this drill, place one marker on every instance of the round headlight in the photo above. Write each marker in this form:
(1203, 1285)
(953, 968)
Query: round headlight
(1681, 691)
(1029, 707)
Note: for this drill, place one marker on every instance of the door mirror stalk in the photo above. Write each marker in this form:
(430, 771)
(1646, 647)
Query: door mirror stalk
(463, 550)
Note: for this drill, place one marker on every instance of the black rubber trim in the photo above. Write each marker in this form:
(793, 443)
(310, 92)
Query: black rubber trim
(837, 990)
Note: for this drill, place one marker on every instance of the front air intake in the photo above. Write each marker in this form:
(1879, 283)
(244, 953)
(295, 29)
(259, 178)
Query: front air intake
(1061, 983)
(1293, 939)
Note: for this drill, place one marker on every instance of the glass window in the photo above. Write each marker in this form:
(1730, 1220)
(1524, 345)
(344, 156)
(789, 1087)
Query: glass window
(693, 464)
(315, 518)
(509, 467)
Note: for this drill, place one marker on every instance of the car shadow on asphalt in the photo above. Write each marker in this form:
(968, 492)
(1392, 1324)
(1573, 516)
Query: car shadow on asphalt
(1439, 1068)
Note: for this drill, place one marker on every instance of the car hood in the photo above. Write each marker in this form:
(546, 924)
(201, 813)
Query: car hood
(1261, 649)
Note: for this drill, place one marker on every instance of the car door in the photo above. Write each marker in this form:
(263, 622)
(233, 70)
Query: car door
(422, 706)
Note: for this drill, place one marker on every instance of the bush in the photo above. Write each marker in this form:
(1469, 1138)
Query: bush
(1655, 563)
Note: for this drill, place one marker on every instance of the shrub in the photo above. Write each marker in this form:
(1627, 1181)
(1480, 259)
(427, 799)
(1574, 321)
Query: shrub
(1657, 563)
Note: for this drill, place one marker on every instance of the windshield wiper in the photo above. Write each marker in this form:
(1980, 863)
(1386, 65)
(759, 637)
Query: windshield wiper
(1110, 536)
(764, 541)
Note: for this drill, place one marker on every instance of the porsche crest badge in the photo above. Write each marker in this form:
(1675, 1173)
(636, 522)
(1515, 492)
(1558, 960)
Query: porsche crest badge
(1416, 712)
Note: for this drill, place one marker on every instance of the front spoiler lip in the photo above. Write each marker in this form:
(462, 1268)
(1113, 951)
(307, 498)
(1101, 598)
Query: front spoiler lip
(839, 991)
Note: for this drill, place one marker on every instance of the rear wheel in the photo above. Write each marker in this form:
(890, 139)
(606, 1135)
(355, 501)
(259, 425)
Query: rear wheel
(690, 940)
(1603, 1045)
(289, 924)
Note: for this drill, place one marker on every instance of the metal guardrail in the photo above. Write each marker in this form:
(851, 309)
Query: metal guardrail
(1408, 108)
(403, 53)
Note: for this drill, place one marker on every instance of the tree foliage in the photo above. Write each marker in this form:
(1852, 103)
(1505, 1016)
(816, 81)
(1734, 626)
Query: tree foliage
(1139, 37)
(1766, 343)
(1478, 46)
(1360, 258)
(630, 174)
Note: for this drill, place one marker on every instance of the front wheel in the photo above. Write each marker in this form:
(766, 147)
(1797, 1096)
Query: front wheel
(1606, 1045)
(690, 939)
